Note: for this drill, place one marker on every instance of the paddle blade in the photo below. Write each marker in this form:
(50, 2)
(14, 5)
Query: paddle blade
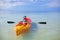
(42, 22)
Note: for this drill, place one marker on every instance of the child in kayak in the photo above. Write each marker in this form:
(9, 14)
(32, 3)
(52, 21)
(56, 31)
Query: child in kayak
(27, 20)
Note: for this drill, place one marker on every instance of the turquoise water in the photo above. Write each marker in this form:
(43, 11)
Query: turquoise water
(49, 31)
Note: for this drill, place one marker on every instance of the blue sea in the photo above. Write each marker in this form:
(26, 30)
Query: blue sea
(49, 31)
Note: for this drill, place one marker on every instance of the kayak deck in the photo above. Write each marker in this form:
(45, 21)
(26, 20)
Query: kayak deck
(21, 29)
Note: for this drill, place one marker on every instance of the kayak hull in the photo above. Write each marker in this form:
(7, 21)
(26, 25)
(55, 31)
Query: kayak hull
(22, 29)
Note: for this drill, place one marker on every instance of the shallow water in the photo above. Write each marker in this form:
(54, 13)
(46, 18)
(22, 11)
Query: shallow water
(49, 31)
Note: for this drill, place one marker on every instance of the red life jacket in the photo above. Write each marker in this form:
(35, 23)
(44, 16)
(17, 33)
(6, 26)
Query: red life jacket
(27, 19)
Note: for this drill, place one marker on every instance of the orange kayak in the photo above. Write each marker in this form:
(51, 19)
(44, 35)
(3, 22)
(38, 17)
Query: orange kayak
(20, 29)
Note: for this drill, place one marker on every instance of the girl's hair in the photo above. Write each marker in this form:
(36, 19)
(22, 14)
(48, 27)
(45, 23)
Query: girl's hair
(24, 16)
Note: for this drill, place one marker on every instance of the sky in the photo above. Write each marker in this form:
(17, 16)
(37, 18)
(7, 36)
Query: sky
(30, 5)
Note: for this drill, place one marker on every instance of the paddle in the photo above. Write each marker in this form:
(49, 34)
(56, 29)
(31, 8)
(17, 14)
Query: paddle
(10, 22)
(42, 22)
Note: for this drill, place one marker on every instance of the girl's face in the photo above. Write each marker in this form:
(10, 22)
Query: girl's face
(24, 17)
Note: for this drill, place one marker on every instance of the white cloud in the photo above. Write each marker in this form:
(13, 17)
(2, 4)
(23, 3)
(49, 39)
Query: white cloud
(7, 0)
(9, 4)
(31, 0)
(53, 3)
(18, 3)
(1, 3)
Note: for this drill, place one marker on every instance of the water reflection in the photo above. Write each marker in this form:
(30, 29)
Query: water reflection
(0, 34)
(30, 35)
